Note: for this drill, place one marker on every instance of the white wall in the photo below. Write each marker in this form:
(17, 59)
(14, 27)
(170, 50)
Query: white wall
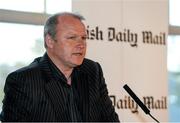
(140, 65)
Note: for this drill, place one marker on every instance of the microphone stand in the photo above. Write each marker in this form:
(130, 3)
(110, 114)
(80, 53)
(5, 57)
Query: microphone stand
(138, 101)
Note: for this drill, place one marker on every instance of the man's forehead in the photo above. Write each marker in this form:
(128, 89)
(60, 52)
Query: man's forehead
(69, 22)
(68, 18)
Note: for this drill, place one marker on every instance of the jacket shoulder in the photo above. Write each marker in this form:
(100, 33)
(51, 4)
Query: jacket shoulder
(31, 68)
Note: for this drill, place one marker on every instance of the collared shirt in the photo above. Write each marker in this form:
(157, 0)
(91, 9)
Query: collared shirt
(69, 91)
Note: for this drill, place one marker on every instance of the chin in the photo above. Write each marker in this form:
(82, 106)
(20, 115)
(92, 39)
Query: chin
(77, 63)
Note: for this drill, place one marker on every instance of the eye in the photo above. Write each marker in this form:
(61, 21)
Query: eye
(72, 37)
(84, 37)
(76, 38)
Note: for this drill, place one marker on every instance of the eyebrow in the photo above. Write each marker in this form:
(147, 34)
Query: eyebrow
(76, 34)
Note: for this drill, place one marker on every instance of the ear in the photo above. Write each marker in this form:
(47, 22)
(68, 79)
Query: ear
(49, 41)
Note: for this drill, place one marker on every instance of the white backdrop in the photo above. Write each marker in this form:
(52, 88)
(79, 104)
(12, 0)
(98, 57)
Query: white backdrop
(128, 39)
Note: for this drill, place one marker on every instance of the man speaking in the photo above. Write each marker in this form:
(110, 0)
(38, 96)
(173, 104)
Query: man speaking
(62, 85)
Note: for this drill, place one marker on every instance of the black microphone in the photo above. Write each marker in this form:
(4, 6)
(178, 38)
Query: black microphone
(138, 101)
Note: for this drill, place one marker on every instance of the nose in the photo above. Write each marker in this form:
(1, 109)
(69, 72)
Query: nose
(81, 44)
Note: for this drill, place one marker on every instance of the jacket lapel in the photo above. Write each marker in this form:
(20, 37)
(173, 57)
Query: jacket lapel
(53, 91)
(57, 98)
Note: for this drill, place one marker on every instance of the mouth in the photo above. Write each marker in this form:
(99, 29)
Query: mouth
(78, 54)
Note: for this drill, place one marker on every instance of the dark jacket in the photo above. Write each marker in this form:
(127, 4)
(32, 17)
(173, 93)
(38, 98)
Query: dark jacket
(31, 94)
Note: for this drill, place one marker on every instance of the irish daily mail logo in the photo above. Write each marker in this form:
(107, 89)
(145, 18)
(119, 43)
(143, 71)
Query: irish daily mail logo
(128, 103)
(125, 36)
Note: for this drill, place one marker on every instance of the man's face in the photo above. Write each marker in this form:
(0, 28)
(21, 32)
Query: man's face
(69, 47)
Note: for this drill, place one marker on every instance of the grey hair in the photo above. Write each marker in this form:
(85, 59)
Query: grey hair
(52, 21)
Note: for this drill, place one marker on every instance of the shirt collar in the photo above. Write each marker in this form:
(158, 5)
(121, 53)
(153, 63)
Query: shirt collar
(55, 71)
